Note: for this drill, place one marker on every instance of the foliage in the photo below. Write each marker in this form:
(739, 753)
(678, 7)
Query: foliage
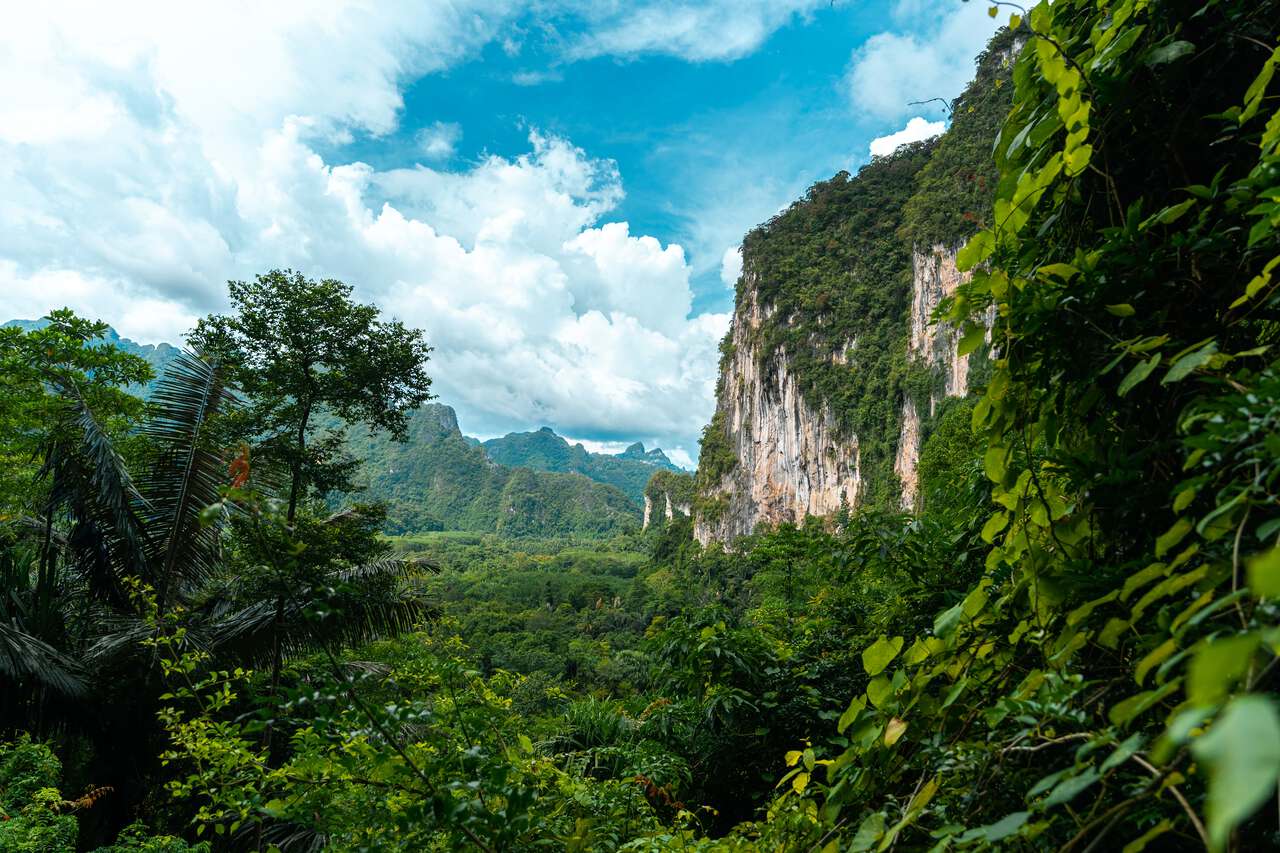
(36, 818)
(1097, 684)
(300, 348)
(954, 190)
(669, 489)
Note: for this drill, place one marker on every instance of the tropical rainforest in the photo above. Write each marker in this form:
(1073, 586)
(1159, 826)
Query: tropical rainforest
(219, 630)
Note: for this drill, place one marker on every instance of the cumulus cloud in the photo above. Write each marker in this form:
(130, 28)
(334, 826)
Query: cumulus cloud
(134, 181)
(929, 56)
(919, 128)
(731, 266)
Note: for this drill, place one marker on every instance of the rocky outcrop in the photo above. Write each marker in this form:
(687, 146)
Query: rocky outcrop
(936, 345)
(790, 461)
(934, 277)
(670, 490)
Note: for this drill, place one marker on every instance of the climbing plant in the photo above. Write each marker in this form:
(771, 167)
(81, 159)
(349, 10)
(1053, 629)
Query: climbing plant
(1111, 678)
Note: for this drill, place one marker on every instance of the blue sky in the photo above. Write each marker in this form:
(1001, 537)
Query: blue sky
(552, 189)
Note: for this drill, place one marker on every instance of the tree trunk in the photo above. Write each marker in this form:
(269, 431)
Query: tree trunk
(295, 487)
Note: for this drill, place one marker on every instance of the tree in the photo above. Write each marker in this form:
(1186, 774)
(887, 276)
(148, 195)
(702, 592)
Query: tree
(300, 349)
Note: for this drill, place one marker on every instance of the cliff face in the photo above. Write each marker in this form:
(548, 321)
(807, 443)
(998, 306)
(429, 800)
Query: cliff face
(934, 277)
(790, 461)
(668, 493)
(832, 372)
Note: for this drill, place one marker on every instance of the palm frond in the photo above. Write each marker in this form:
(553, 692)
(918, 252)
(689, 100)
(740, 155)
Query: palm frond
(187, 472)
(24, 657)
(89, 479)
(368, 602)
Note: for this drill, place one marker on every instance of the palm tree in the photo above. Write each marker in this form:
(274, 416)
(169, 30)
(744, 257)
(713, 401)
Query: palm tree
(67, 611)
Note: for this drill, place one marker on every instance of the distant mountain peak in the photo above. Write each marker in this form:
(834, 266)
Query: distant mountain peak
(653, 457)
(544, 450)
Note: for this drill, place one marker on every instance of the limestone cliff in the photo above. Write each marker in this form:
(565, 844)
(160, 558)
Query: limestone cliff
(832, 371)
(668, 493)
(790, 460)
(935, 346)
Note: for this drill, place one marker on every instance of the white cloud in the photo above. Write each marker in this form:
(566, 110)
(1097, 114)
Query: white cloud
(536, 78)
(918, 63)
(917, 129)
(134, 181)
(731, 266)
(440, 140)
(697, 31)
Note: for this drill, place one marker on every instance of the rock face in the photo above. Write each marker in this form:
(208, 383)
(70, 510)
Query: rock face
(933, 278)
(833, 375)
(670, 490)
(790, 461)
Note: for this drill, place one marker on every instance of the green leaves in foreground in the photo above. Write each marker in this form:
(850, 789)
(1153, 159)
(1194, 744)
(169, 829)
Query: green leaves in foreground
(880, 654)
(1242, 752)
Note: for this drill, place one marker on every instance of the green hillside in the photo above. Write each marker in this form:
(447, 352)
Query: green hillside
(440, 480)
(543, 450)
(158, 356)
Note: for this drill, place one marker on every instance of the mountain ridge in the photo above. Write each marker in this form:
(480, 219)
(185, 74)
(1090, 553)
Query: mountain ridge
(545, 450)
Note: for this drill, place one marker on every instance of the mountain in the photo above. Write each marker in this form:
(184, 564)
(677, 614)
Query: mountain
(543, 450)
(831, 376)
(440, 479)
(156, 355)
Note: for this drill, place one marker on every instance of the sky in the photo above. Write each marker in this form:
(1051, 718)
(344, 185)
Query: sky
(553, 190)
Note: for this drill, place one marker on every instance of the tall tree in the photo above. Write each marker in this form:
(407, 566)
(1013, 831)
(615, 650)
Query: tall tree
(300, 348)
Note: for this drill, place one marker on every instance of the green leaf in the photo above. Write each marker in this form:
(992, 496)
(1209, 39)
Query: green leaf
(1155, 657)
(1069, 789)
(918, 652)
(1184, 498)
(1139, 372)
(879, 654)
(995, 462)
(869, 832)
(1170, 214)
(1135, 706)
(1172, 536)
(1063, 271)
(856, 706)
(1140, 843)
(1264, 574)
(974, 335)
(1183, 367)
(994, 525)
(1217, 666)
(998, 831)
(1170, 52)
(1242, 753)
(879, 690)
(1124, 309)
(977, 250)
(947, 621)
